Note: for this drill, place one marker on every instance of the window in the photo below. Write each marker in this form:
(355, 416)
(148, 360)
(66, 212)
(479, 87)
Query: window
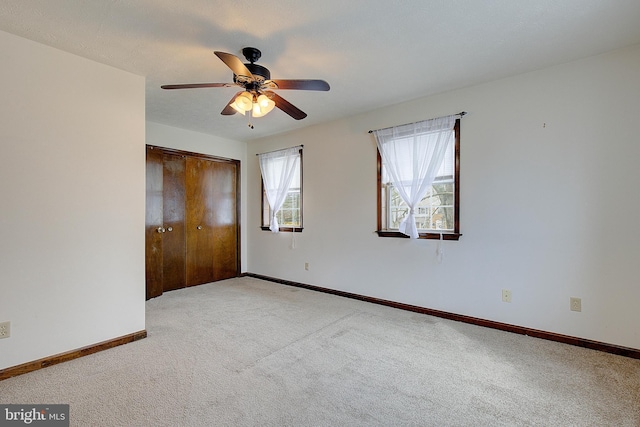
(438, 211)
(289, 215)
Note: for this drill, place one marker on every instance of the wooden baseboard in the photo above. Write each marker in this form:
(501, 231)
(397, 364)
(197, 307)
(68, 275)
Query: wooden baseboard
(70, 355)
(579, 342)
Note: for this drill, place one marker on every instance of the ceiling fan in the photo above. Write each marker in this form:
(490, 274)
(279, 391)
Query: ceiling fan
(257, 96)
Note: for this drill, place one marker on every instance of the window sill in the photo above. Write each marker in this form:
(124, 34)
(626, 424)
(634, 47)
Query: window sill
(430, 235)
(284, 229)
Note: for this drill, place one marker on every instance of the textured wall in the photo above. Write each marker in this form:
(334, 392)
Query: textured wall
(549, 203)
(72, 201)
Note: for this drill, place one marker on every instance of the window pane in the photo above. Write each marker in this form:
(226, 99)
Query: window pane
(289, 214)
(434, 212)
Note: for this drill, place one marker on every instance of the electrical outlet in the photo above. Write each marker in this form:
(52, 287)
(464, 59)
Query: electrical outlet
(5, 329)
(306, 266)
(575, 304)
(506, 295)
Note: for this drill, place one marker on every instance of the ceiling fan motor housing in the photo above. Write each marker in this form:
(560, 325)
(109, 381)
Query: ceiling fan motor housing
(259, 71)
(253, 54)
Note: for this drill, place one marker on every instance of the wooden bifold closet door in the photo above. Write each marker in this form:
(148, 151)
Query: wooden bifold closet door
(192, 231)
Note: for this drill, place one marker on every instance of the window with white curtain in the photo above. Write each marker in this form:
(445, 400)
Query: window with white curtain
(278, 167)
(413, 149)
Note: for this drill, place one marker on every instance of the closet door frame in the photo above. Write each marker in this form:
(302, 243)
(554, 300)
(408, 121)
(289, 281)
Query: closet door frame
(208, 157)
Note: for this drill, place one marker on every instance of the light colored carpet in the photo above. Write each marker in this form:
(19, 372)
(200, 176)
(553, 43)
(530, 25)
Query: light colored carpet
(245, 352)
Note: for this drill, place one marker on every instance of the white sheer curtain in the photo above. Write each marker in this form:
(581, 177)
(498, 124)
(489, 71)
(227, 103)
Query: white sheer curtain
(278, 169)
(412, 155)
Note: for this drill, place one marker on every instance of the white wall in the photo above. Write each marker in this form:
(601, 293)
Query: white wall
(71, 201)
(549, 204)
(171, 137)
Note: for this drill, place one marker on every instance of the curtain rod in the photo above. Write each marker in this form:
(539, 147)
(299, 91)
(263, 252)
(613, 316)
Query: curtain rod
(282, 149)
(461, 114)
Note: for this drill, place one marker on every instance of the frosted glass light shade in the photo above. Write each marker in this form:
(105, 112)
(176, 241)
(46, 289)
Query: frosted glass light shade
(263, 106)
(238, 109)
(244, 101)
(263, 100)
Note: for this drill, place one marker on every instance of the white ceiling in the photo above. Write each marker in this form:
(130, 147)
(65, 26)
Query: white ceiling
(373, 53)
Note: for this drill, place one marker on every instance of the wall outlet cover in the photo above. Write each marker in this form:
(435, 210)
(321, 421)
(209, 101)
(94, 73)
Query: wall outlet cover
(5, 329)
(506, 295)
(575, 304)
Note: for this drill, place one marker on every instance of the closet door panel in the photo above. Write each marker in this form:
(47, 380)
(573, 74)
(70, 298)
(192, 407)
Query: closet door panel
(199, 221)
(174, 247)
(225, 221)
(153, 224)
(192, 229)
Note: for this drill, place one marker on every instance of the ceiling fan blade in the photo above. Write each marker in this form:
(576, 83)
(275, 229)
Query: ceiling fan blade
(302, 84)
(197, 85)
(236, 65)
(229, 110)
(286, 106)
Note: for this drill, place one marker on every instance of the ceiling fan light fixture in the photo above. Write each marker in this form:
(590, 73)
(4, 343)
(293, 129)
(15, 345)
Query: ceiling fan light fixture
(244, 101)
(263, 100)
(238, 109)
(262, 106)
(257, 111)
